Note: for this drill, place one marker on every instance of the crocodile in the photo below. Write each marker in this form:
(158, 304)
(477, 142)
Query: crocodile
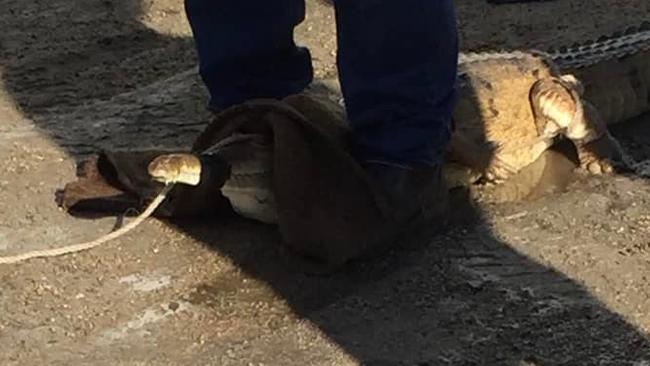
(512, 108)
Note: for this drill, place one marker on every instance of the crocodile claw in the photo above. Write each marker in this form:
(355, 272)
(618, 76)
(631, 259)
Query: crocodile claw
(599, 167)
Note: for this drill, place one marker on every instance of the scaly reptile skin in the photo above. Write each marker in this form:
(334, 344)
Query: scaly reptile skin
(615, 71)
(513, 106)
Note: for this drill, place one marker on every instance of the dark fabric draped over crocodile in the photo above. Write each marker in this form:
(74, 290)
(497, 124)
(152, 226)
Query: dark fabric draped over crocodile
(327, 208)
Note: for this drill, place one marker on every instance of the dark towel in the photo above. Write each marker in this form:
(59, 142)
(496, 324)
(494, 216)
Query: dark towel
(327, 208)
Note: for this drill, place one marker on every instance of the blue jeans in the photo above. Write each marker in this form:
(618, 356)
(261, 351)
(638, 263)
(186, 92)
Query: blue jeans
(397, 63)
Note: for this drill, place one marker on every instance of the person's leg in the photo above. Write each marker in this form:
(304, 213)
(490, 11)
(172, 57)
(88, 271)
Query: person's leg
(397, 63)
(246, 48)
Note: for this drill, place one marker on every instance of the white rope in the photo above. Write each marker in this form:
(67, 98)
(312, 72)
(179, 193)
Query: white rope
(74, 248)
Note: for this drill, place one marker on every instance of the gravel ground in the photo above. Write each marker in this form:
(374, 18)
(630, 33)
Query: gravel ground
(561, 280)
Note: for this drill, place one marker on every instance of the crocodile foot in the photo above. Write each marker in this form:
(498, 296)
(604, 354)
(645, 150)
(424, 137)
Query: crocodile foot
(498, 170)
(601, 156)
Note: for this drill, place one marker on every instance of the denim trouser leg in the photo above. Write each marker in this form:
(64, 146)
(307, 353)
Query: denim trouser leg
(246, 48)
(397, 61)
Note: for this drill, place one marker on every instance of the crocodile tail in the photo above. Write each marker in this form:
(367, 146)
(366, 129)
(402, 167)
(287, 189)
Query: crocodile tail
(617, 45)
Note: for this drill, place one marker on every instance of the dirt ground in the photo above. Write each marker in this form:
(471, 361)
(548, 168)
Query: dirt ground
(561, 280)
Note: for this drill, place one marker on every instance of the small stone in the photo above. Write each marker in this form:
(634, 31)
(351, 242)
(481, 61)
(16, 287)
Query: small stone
(173, 306)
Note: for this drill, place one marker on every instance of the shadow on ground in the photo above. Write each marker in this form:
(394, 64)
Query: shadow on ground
(464, 297)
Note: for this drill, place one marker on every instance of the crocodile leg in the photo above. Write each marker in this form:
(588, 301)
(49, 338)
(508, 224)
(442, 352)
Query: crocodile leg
(559, 110)
(602, 154)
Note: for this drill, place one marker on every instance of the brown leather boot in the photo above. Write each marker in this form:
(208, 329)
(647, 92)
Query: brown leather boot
(415, 196)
